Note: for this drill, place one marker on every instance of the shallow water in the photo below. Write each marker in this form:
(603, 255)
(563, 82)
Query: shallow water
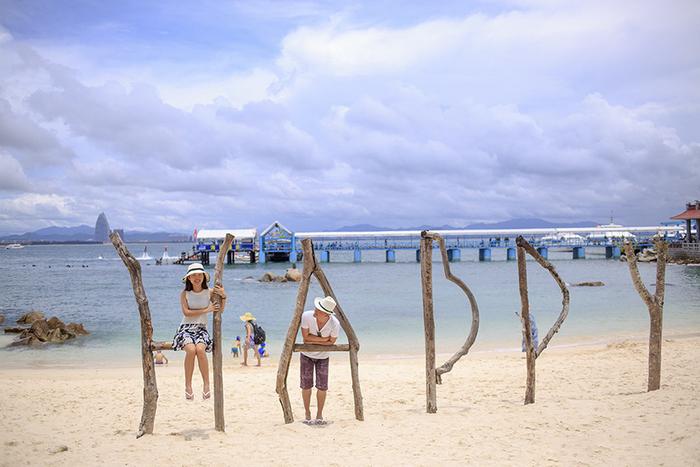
(383, 301)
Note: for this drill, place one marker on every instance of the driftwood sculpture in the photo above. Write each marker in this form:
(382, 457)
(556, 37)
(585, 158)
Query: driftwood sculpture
(655, 304)
(530, 351)
(150, 387)
(433, 375)
(311, 267)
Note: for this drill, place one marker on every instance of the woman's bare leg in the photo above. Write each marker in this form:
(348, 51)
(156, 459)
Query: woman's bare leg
(190, 352)
(245, 354)
(203, 366)
(257, 354)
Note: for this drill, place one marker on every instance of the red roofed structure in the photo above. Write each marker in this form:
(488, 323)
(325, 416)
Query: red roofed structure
(690, 248)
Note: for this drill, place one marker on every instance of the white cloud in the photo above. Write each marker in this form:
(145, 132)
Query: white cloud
(547, 109)
(13, 177)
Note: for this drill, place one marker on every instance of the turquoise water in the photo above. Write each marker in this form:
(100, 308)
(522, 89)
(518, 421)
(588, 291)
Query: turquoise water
(383, 301)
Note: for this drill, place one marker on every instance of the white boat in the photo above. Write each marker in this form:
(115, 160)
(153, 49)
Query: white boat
(14, 246)
(610, 236)
(563, 239)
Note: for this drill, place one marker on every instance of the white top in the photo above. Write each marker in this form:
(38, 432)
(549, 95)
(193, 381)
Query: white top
(330, 329)
(196, 301)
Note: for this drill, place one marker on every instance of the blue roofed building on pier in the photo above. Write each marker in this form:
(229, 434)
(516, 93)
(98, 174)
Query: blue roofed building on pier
(276, 244)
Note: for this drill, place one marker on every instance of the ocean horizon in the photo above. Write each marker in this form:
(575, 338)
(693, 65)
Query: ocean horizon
(89, 284)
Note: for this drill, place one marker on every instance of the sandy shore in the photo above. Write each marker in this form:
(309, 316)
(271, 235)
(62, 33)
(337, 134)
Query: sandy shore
(591, 409)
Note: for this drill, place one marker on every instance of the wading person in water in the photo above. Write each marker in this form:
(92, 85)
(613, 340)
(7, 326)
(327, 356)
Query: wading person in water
(318, 326)
(192, 335)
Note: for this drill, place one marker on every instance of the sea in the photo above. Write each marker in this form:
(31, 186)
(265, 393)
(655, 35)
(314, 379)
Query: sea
(89, 284)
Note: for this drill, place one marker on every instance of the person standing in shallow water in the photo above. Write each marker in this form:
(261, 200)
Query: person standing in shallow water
(318, 326)
(249, 341)
(192, 335)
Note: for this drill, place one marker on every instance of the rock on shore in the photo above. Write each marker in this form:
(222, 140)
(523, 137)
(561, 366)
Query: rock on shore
(42, 331)
(29, 318)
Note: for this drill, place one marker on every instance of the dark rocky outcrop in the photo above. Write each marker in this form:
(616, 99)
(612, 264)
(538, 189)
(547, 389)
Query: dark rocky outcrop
(29, 318)
(293, 275)
(102, 228)
(44, 331)
(271, 277)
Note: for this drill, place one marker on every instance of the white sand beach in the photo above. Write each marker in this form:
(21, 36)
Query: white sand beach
(592, 408)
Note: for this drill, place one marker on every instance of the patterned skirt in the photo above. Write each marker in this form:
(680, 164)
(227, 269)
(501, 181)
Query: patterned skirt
(192, 334)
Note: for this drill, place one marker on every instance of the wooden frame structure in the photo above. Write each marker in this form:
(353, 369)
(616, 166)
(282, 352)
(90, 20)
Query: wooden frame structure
(150, 387)
(311, 267)
(531, 352)
(433, 375)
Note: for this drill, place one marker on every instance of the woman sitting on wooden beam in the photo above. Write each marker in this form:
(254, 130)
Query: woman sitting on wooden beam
(318, 327)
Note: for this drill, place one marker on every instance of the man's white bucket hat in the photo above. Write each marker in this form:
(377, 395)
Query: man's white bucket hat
(325, 304)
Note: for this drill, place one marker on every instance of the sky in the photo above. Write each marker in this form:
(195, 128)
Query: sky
(321, 114)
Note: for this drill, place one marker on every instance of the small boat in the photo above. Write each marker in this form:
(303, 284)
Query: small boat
(14, 246)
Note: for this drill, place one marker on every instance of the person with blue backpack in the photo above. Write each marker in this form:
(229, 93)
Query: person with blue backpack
(254, 336)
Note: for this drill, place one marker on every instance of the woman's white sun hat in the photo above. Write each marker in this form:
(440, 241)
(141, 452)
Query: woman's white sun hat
(195, 268)
(325, 304)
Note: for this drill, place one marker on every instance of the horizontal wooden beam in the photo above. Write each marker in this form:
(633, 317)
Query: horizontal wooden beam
(161, 345)
(321, 348)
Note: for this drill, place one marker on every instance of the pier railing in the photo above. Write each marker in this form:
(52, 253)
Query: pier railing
(686, 246)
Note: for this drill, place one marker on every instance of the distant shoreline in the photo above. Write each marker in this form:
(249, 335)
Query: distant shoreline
(84, 242)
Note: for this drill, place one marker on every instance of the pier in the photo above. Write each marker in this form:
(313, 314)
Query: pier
(277, 243)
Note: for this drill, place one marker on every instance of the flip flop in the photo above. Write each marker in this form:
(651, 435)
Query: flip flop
(189, 396)
(309, 422)
(205, 395)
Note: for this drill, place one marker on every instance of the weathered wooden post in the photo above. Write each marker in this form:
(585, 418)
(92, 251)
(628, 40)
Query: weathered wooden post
(655, 305)
(150, 387)
(219, 422)
(530, 351)
(426, 274)
(433, 375)
(311, 267)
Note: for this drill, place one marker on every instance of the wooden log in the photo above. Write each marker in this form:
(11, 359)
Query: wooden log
(321, 348)
(165, 345)
(150, 386)
(655, 305)
(217, 357)
(353, 341)
(287, 348)
(520, 241)
(527, 332)
(447, 366)
(426, 266)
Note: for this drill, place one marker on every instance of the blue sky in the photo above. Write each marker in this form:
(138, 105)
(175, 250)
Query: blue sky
(175, 115)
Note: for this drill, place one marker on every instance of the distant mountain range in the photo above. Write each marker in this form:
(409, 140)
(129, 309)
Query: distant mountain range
(85, 233)
(510, 224)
